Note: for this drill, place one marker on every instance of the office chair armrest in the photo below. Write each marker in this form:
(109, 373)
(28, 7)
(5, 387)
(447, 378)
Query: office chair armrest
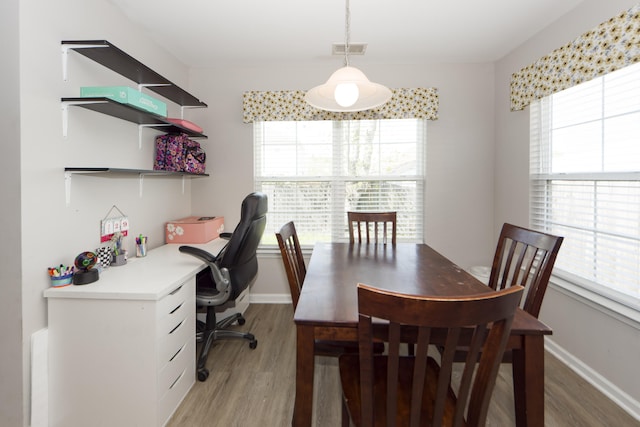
(226, 235)
(220, 275)
(205, 256)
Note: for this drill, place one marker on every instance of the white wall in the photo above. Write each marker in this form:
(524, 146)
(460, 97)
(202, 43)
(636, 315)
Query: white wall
(600, 345)
(459, 188)
(52, 232)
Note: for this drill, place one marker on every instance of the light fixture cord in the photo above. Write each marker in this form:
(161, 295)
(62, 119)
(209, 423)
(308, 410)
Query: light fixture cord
(347, 32)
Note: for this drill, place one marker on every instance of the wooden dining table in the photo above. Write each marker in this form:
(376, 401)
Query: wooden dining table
(328, 310)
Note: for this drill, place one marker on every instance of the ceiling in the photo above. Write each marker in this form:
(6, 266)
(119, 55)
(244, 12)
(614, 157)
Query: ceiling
(208, 33)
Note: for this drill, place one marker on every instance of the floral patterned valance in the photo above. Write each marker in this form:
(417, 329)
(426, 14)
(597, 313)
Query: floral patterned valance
(612, 45)
(289, 105)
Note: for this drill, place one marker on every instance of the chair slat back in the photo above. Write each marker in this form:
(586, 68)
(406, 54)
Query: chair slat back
(483, 322)
(525, 257)
(372, 223)
(292, 258)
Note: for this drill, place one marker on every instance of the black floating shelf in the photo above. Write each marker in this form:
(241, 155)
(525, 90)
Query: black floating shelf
(105, 53)
(131, 114)
(132, 172)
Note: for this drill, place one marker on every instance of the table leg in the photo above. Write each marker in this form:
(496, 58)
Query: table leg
(528, 382)
(303, 406)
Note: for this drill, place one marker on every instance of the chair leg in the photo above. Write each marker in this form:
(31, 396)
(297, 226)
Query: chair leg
(225, 323)
(207, 339)
(222, 332)
(346, 420)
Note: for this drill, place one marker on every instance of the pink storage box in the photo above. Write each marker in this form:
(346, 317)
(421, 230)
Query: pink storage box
(194, 229)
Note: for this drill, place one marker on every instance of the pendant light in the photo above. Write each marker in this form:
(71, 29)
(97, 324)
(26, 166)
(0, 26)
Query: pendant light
(348, 89)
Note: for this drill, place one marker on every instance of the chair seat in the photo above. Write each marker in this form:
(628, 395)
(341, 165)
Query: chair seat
(350, 377)
(336, 348)
(207, 296)
(207, 292)
(461, 355)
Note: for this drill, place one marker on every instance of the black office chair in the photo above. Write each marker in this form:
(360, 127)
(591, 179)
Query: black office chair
(228, 274)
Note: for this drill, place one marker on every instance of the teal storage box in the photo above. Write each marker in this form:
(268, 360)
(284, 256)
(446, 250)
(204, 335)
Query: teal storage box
(126, 95)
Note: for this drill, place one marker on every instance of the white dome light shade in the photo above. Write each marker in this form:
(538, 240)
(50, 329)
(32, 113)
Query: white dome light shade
(368, 95)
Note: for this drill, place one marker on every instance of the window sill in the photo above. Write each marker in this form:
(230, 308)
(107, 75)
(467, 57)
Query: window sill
(627, 312)
(273, 251)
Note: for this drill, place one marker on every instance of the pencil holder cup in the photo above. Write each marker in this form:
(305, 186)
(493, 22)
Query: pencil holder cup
(141, 249)
(119, 260)
(60, 281)
(105, 256)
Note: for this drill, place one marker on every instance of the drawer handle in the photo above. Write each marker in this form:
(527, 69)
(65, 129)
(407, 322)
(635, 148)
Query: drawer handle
(177, 308)
(177, 326)
(176, 290)
(176, 381)
(177, 353)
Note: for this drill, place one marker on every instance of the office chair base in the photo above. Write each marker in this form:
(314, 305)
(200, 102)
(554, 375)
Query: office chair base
(208, 337)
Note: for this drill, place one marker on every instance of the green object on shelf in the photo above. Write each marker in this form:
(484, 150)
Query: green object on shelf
(126, 95)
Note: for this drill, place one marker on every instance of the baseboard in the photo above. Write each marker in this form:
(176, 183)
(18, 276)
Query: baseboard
(622, 399)
(270, 298)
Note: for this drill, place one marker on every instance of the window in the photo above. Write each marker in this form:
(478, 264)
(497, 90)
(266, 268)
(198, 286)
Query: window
(585, 181)
(316, 171)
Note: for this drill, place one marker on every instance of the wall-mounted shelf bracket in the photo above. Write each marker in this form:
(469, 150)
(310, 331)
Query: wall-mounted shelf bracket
(108, 55)
(65, 54)
(69, 171)
(67, 188)
(140, 127)
(143, 85)
(65, 112)
(140, 184)
(129, 113)
(183, 107)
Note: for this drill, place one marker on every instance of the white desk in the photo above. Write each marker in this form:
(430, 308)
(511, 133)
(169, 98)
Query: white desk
(122, 349)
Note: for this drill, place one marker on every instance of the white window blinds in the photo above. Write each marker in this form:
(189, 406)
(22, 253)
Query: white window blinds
(585, 181)
(316, 171)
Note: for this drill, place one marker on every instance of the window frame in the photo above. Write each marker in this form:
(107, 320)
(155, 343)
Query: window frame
(341, 179)
(541, 180)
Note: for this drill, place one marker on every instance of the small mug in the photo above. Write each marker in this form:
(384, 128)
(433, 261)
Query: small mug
(141, 249)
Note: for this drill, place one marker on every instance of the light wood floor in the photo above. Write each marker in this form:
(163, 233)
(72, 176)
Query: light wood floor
(249, 388)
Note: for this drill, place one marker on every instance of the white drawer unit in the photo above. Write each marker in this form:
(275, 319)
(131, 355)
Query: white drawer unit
(122, 349)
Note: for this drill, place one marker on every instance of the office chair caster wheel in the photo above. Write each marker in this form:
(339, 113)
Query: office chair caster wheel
(241, 321)
(203, 374)
(253, 344)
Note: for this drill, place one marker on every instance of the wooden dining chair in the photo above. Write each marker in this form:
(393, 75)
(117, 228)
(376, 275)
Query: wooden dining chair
(296, 271)
(368, 223)
(292, 258)
(525, 257)
(390, 389)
